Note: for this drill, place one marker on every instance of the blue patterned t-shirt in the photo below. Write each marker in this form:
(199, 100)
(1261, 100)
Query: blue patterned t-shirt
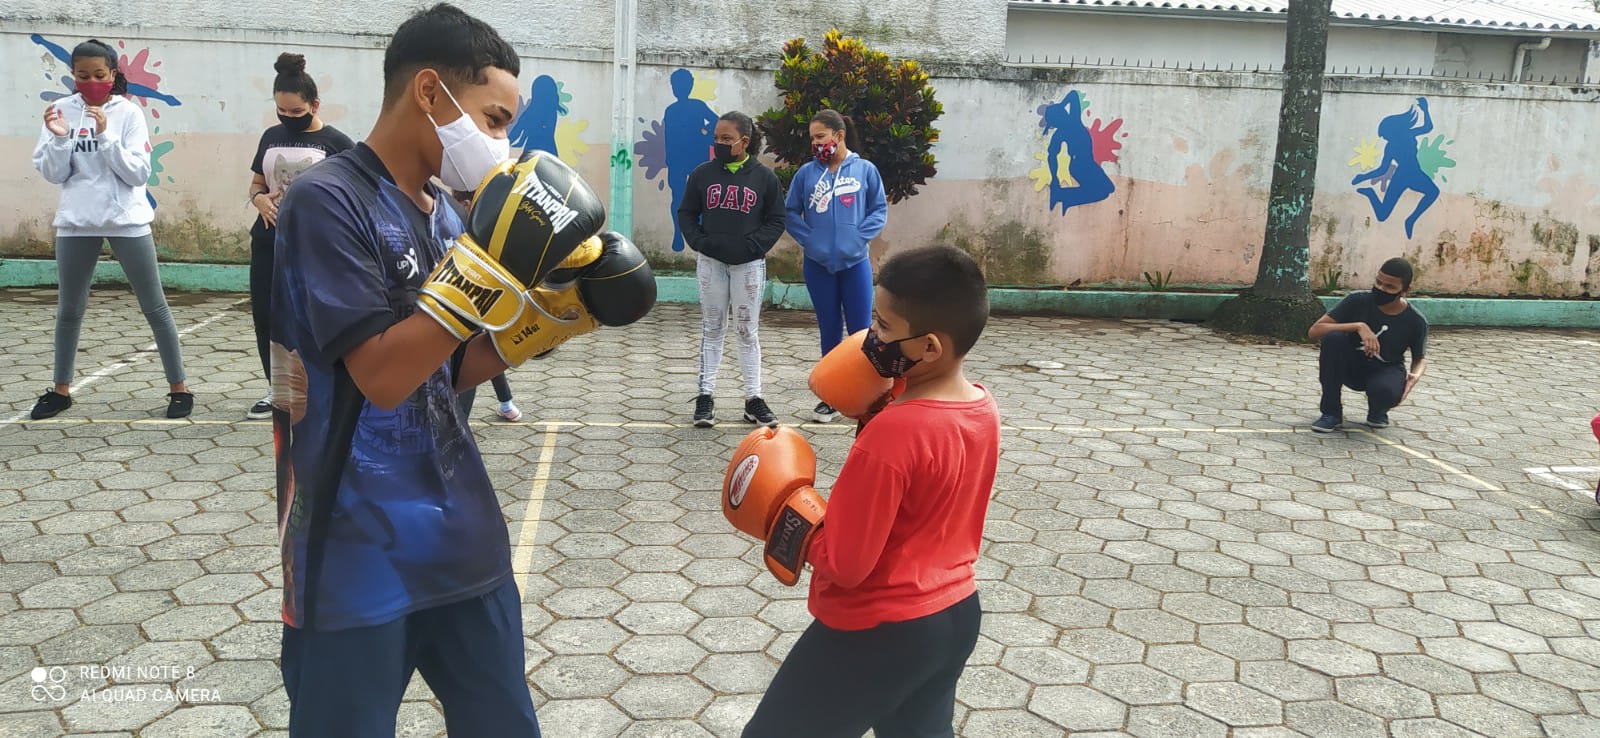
(414, 522)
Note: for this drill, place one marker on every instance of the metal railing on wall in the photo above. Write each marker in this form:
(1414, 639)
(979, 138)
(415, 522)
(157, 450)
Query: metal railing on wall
(1334, 70)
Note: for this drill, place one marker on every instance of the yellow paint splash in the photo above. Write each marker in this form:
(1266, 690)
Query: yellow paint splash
(1041, 173)
(1367, 155)
(705, 87)
(568, 140)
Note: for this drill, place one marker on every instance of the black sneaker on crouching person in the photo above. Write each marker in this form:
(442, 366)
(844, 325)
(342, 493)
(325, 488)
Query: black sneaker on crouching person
(1377, 420)
(50, 404)
(824, 413)
(756, 411)
(1327, 424)
(703, 412)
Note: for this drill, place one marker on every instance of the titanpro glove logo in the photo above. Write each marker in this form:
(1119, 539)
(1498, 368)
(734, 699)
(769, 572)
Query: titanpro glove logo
(554, 207)
(469, 283)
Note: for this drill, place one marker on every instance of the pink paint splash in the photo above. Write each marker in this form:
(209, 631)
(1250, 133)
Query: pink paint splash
(1105, 140)
(134, 69)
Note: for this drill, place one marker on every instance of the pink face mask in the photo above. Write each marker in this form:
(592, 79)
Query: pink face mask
(95, 93)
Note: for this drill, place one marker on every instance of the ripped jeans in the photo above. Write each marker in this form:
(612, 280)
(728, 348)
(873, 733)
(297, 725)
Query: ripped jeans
(739, 288)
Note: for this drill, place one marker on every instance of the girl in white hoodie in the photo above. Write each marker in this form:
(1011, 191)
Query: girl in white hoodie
(95, 145)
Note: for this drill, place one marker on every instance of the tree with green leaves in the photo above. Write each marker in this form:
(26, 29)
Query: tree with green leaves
(891, 103)
(1281, 304)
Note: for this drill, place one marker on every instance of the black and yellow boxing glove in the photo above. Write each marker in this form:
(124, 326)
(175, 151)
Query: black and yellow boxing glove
(605, 281)
(526, 219)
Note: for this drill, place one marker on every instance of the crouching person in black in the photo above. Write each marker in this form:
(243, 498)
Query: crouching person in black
(1364, 341)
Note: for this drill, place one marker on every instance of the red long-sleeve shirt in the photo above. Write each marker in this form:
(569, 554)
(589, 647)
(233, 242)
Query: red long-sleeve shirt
(905, 518)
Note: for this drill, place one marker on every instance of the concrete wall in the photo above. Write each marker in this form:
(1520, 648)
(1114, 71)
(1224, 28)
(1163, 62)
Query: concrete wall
(934, 29)
(1184, 157)
(1249, 44)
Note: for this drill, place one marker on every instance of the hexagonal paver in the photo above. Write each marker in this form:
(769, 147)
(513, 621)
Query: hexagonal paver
(732, 635)
(1286, 681)
(1333, 658)
(660, 654)
(1384, 697)
(1077, 708)
(647, 697)
(1101, 646)
(737, 672)
(570, 637)
(988, 687)
(1045, 665)
(1136, 684)
(657, 618)
(596, 717)
(1330, 718)
(1486, 716)
(568, 677)
(1234, 704)
(1173, 721)
(191, 622)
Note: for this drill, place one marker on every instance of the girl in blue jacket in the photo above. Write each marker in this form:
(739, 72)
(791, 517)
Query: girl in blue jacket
(835, 208)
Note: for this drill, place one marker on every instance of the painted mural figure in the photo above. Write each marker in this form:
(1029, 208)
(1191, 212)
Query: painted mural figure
(536, 126)
(687, 125)
(1400, 133)
(1093, 185)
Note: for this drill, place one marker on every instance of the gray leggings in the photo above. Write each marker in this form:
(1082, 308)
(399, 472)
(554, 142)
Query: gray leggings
(75, 260)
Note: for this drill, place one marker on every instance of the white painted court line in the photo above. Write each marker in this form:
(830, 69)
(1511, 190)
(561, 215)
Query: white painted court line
(1486, 486)
(522, 550)
(128, 361)
(1556, 475)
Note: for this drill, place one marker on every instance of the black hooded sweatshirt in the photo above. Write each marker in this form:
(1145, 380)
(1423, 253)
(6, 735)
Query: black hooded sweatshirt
(733, 217)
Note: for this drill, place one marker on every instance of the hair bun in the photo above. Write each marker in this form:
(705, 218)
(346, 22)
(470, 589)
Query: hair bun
(290, 63)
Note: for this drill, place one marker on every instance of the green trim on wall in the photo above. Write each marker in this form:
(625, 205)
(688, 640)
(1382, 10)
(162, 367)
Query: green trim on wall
(675, 288)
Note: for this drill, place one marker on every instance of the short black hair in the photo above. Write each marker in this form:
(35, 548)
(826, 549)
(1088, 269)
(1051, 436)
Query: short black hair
(292, 77)
(444, 38)
(1399, 269)
(939, 289)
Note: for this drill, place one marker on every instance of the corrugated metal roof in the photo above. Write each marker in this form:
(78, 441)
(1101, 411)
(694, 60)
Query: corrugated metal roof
(1510, 15)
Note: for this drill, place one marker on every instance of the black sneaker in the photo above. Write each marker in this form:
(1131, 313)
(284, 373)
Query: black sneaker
(824, 413)
(756, 411)
(1327, 424)
(1377, 421)
(180, 404)
(261, 410)
(50, 404)
(703, 407)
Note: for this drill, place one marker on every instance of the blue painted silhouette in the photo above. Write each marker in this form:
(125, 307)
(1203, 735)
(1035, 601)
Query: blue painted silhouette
(1094, 185)
(688, 127)
(1400, 133)
(536, 126)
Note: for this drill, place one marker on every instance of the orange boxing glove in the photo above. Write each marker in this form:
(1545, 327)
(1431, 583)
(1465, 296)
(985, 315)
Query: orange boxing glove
(846, 381)
(767, 494)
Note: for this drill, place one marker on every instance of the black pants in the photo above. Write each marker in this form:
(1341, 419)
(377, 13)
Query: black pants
(899, 679)
(261, 245)
(1344, 365)
(502, 392)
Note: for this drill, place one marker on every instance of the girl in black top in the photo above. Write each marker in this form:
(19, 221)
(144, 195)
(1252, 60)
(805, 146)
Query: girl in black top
(299, 141)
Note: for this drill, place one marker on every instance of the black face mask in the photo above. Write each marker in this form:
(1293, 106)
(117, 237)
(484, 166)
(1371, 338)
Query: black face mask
(297, 124)
(886, 357)
(725, 153)
(1382, 297)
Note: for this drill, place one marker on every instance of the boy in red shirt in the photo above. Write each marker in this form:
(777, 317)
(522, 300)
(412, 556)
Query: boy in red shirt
(893, 588)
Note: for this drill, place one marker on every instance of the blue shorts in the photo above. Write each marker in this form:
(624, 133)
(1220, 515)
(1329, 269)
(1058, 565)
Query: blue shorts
(349, 683)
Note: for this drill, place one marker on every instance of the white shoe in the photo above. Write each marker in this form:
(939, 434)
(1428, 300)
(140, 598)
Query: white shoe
(509, 411)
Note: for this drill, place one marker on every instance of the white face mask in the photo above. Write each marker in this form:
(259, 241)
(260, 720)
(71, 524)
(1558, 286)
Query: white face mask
(469, 153)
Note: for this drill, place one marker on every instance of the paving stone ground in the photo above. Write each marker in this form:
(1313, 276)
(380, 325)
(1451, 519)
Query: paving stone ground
(1169, 551)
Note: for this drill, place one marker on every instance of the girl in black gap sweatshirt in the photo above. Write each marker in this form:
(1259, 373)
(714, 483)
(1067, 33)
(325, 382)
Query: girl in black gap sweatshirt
(731, 215)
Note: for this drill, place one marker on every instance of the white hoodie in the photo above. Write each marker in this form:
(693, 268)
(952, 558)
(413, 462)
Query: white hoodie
(102, 176)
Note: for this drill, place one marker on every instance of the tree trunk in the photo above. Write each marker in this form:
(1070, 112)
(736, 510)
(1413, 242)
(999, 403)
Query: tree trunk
(1281, 304)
